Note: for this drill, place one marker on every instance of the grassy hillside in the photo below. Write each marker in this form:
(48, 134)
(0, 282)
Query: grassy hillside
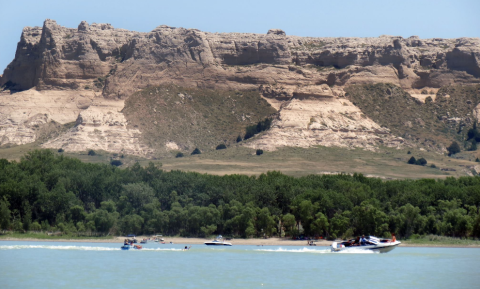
(434, 124)
(193, 117)
(385, 162)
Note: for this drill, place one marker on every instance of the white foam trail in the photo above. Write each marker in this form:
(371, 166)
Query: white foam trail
(78, 248)
(150, 249)
(309, 250)
(49, 247)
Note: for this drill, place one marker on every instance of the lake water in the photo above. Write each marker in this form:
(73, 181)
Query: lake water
(104, 265)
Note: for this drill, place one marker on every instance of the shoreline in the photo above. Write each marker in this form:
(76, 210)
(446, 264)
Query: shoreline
(251, 242)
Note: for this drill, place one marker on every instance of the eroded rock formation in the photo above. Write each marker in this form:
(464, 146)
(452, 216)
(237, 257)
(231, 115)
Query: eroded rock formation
(303, 77)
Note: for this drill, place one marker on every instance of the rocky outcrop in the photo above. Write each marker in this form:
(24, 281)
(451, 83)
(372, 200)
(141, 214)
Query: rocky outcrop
(323, 119)
(23, 114)
(302, 77)
(100, 127)
(53, 56)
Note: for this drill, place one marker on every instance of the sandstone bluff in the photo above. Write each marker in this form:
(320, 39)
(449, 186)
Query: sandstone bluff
(86, 76)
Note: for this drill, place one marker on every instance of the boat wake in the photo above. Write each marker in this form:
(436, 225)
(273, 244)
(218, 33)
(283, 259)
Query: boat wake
(316, 251)
(78, 248)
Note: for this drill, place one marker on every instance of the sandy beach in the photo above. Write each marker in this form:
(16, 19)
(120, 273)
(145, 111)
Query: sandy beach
(253, 242)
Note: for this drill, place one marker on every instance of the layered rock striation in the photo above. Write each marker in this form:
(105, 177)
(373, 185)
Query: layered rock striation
(303, 77)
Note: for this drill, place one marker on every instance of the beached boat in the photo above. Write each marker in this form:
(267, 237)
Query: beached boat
(372, 243)
(144, 241)
(219, 241)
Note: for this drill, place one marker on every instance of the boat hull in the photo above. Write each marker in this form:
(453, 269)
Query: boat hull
(381, 248)
(217, 244)
(128, 247)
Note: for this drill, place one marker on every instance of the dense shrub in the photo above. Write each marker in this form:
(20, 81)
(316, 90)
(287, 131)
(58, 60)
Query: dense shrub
(259, 152)
(196, 151)
(221, 147)
(91, 153)
(179, 155)
(116, 163)
(60, 150)
(412, 161)
(453, 148)
(259, 127)
(421, 162)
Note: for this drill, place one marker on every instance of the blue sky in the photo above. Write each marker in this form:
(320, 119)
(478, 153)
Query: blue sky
(341, 18)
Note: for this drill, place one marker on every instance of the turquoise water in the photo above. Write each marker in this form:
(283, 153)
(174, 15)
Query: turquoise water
(104, 265)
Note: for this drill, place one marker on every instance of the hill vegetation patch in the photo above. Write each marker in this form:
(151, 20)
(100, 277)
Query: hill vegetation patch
(434, 124)
(193, 117)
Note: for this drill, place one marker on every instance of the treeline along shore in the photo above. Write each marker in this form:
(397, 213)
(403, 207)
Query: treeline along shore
(45, 191)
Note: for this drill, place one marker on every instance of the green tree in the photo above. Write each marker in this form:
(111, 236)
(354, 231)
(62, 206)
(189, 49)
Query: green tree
(138, 195)
(196, 151)
(421, 162)
(259, 152)
(131, 224)
(116, 163)
(221, 147)
(36, 227)
(320, 225)
(4, 214)
(453, 148)
(412, 161)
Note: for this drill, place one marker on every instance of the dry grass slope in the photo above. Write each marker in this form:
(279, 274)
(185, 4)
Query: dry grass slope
(433, 124)
(191, 117)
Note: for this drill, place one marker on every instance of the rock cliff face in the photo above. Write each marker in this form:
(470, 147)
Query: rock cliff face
(303, 77)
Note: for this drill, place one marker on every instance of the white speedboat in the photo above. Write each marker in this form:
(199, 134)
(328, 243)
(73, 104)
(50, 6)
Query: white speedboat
(219, 241)
(372, 243)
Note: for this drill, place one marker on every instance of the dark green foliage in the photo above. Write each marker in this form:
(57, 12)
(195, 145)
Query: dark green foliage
(421, 162)
(408, 152)
(91, 153)
(471, 133)
(179, 155)
(258, 128)
(196, 151)
(412, 161)
(116, 163)
(60, 150)
(221, 147)
(47, 191)
(453, 148)
(259, 152)
(477, 160)
(239, 138)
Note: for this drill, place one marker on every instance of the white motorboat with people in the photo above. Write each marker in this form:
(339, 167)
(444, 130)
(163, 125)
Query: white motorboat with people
(371, 243)
(219, 241)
